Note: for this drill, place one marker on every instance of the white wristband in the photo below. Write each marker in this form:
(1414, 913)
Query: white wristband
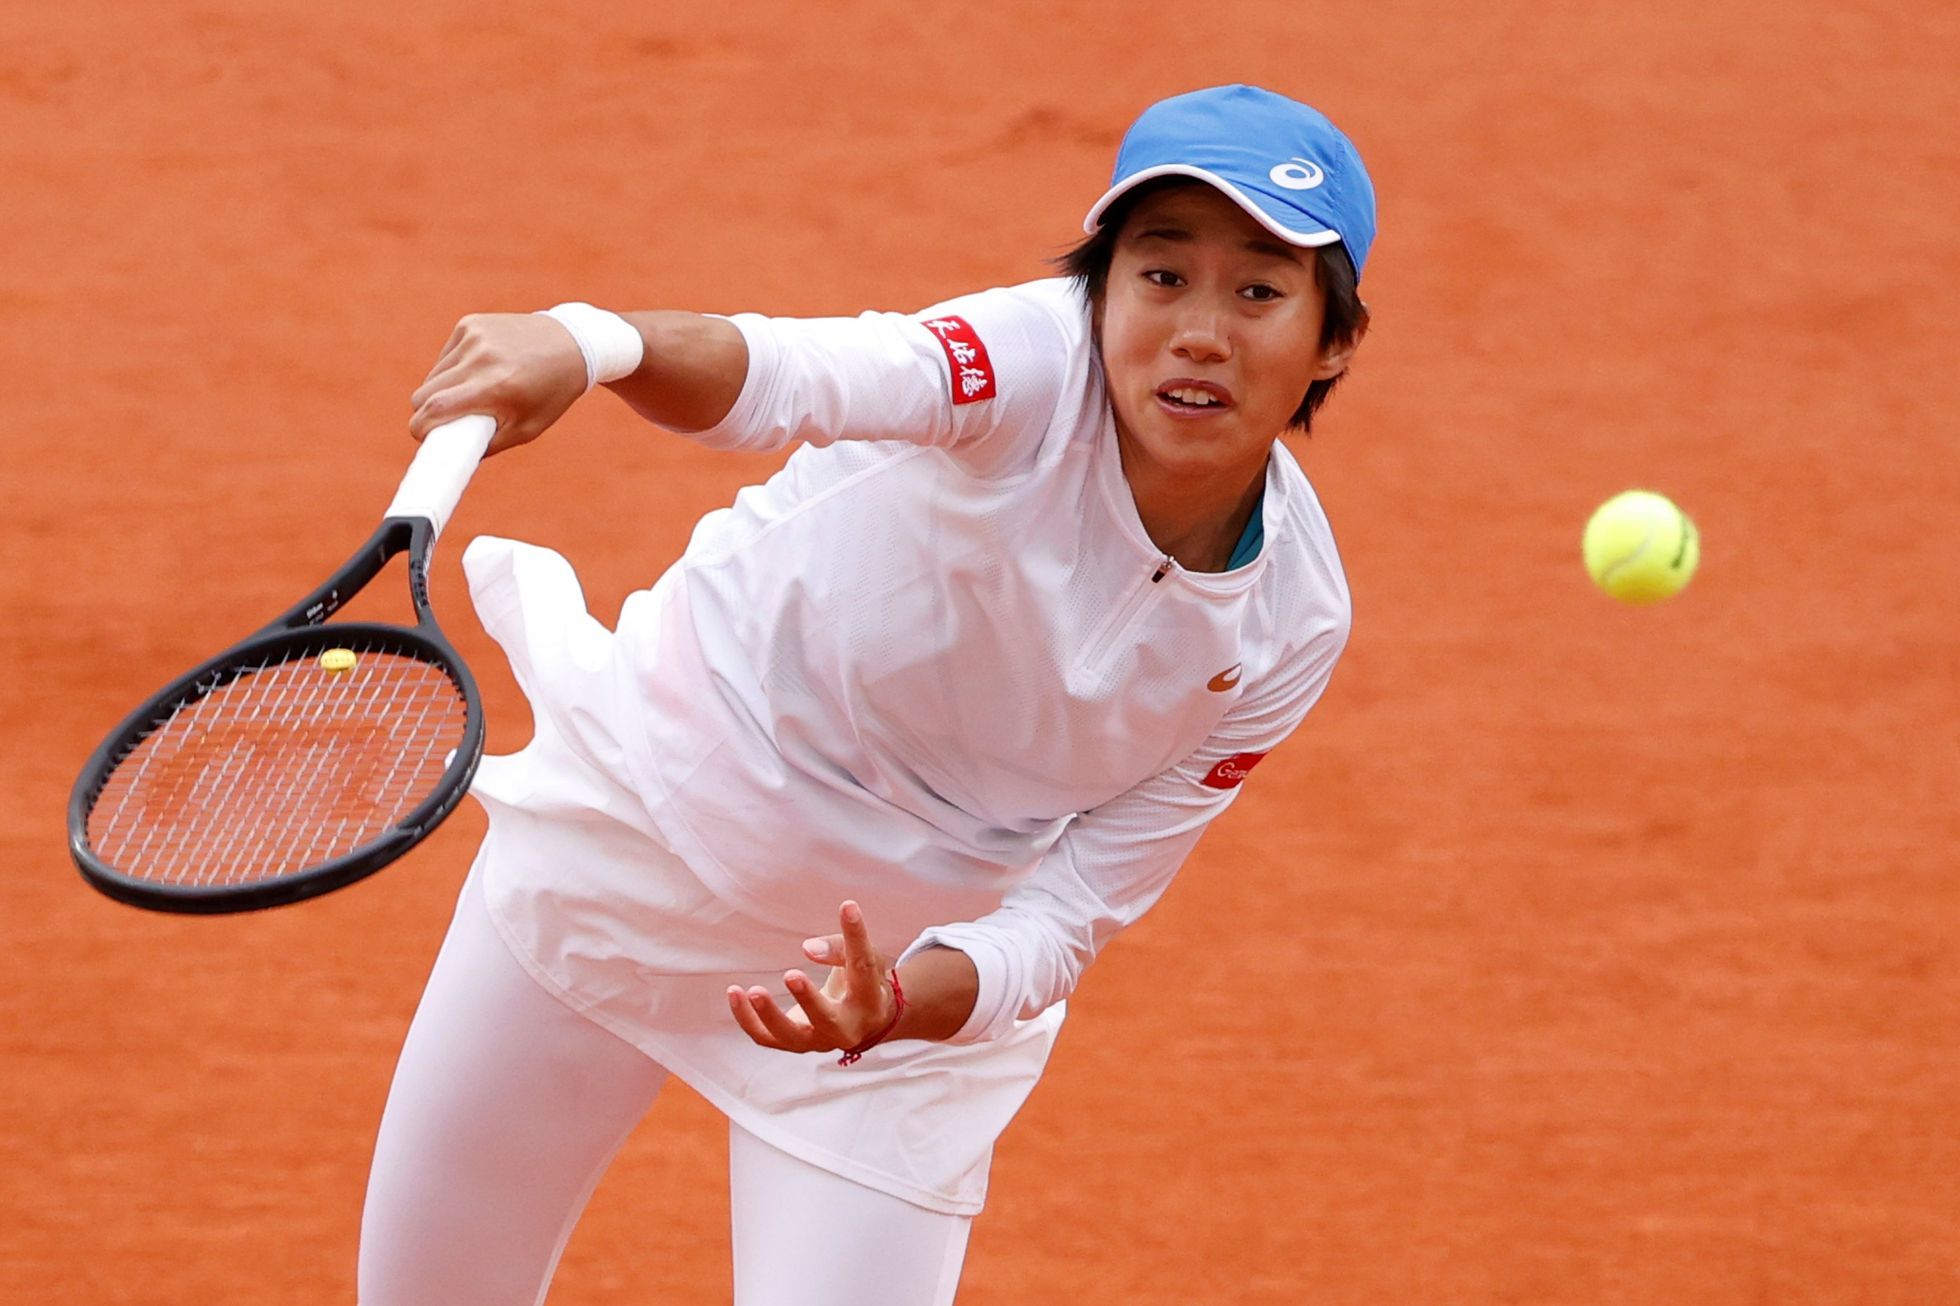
(610, 344)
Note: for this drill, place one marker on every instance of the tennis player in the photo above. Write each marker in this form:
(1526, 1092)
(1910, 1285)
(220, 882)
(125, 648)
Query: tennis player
(936, 711)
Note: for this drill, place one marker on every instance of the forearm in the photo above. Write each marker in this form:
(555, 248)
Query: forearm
(941, 986)
(691, 373)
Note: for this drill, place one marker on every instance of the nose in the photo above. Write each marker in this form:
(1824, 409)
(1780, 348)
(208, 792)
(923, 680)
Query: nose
(1201, 335)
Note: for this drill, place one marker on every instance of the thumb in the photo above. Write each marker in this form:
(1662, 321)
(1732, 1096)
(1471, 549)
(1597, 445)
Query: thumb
(828, 949)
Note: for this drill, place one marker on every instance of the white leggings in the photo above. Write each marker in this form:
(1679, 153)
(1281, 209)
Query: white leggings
(506, 1108)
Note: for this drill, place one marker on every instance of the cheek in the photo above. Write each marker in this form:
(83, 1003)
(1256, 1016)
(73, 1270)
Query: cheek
(1287, 375)
(1286, 359)
(1128, 348)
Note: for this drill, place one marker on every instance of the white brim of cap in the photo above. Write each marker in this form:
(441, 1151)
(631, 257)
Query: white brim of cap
(1310, 239)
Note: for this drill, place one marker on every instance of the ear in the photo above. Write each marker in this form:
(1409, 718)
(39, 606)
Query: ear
(1339, 354)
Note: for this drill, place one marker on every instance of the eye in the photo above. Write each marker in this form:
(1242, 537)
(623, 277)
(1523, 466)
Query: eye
(1260, 293)
(1161, 277)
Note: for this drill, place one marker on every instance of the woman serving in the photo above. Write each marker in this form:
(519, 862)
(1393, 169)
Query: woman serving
(942, 706)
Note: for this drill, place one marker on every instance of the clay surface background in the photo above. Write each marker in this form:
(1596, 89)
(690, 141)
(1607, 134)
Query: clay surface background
(1571, 953)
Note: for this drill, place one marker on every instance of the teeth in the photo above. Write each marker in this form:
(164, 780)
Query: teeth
(1198, 397)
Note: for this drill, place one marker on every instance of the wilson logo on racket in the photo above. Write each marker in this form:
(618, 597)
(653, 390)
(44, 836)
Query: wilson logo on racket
(972, 372)
(1229, 773)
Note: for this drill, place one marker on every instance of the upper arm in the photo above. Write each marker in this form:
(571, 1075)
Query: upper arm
(960, 374)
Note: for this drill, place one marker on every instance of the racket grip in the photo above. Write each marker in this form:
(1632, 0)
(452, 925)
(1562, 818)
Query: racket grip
(442, 467)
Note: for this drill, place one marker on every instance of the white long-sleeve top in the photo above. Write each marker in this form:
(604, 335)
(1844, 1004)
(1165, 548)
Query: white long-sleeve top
(943, 669)
(934, 664)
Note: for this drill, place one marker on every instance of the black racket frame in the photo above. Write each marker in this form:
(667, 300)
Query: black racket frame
(297, 633)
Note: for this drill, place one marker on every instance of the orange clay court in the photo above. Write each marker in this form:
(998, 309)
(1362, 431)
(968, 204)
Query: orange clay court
(1572, 953)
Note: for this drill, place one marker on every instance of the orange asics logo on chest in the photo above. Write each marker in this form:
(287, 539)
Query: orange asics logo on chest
(972, 375)
(1228, 773)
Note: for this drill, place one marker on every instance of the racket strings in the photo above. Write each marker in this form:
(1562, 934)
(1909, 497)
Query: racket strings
(279, 770)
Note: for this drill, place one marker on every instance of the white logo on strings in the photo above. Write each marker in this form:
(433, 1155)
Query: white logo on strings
(1297, 174)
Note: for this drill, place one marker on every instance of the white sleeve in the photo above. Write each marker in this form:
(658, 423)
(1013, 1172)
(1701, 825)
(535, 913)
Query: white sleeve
(952, 375)
(1113, 863)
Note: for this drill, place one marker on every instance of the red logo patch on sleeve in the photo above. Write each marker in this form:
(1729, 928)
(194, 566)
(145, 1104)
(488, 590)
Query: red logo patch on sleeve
(1228, 773)
(972, 370)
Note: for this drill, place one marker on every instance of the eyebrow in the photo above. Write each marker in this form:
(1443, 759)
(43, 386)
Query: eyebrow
(1175, 234)
(1258, 245)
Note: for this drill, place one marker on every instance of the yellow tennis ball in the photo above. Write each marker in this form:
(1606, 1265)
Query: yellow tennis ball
(338, 660)
(1640, 548)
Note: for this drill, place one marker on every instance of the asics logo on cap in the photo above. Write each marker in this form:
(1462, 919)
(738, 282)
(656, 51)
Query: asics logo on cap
(1298, 174)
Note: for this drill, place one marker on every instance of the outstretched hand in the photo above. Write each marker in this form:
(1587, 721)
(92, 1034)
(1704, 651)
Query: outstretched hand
(855, 1003)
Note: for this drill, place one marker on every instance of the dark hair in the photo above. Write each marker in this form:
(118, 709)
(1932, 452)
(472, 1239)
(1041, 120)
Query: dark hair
(1343, 318)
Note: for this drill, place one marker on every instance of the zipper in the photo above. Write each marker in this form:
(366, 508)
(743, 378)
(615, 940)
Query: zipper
(1104, 642)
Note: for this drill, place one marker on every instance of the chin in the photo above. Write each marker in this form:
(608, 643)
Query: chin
(1189, 458)
(1194, 450)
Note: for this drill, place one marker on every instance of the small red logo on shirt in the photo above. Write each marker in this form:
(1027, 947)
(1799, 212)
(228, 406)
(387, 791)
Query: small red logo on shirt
(972, 370)
(1228, 773)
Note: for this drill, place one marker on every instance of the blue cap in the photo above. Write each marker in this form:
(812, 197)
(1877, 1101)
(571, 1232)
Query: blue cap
(1283, 163)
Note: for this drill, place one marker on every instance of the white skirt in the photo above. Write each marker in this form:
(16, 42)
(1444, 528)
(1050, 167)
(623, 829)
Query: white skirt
(601, 911)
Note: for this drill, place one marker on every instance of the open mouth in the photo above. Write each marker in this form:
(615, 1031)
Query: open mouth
(1194, 397)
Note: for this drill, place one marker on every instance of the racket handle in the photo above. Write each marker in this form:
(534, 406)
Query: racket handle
(442, 467)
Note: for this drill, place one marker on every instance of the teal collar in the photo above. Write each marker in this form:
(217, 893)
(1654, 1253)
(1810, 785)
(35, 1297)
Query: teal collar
(1251, 539)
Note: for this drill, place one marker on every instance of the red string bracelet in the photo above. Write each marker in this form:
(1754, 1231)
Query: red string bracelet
(898, 1002)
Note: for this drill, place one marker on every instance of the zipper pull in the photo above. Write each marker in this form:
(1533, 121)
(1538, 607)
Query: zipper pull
(1163, 569)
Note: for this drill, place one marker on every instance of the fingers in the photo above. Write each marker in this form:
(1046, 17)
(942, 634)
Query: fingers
(443, 376)
(449, 348)
(458, 399)
(740, 1006)
(755, 1010)
(831, 1013)
(447, 369)
(519, 368)
(819, 1024)
(853, 1004)
(864, 969)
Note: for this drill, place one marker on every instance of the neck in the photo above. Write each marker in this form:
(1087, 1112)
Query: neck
(1196, 519)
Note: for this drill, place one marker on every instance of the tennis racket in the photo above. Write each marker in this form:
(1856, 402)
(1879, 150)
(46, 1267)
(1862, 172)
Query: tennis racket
(307, 756)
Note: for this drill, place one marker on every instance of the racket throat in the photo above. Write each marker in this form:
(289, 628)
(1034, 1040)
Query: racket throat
(394, 536)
